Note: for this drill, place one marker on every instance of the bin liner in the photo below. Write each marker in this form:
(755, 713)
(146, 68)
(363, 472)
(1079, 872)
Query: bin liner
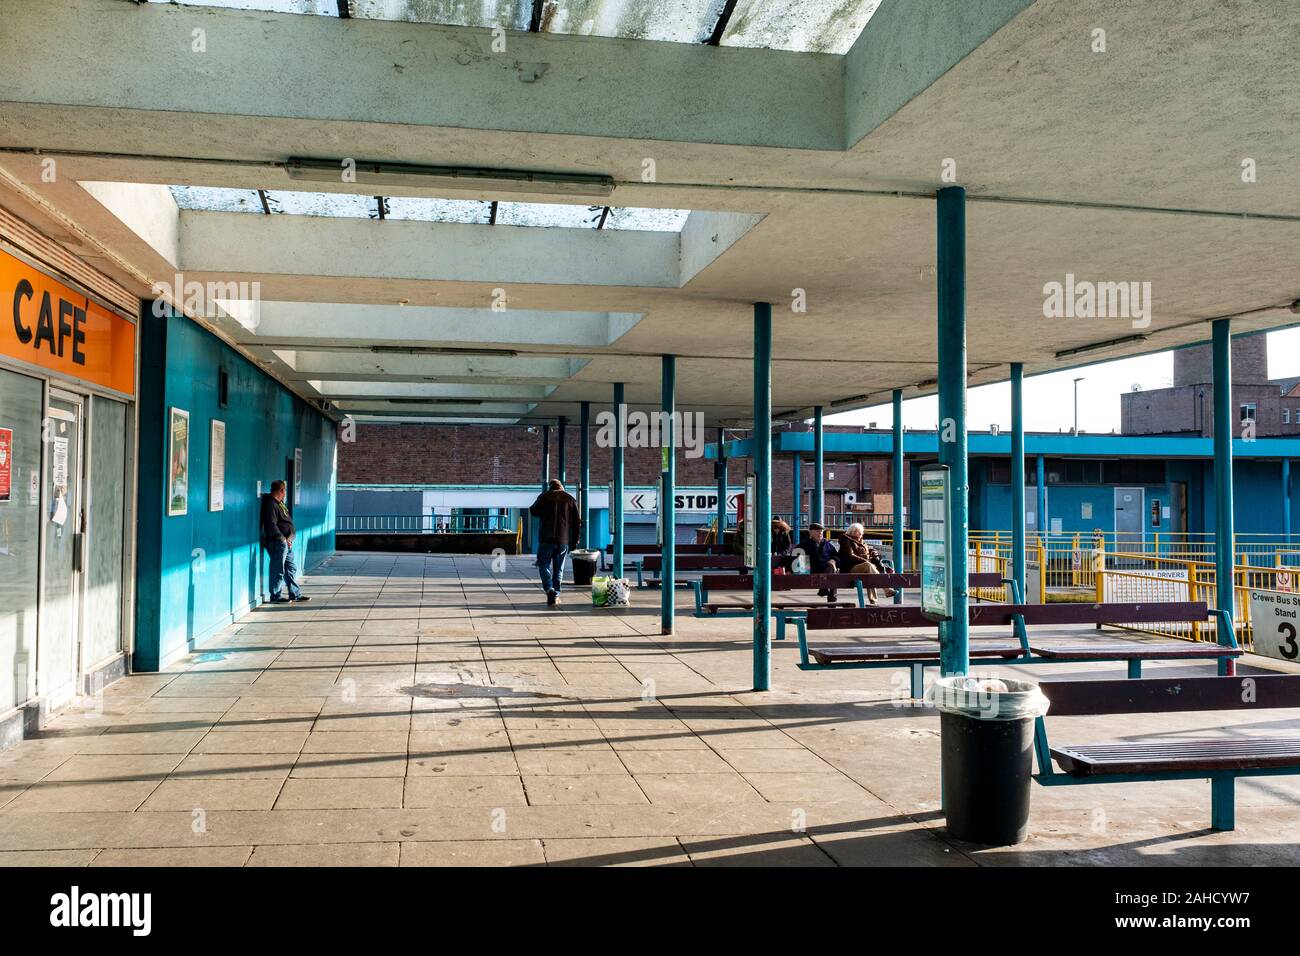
(989, 698)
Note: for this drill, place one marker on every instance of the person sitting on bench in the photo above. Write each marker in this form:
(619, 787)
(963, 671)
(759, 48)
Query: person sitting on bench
(822, 557)
(858, 558)
(782, 544)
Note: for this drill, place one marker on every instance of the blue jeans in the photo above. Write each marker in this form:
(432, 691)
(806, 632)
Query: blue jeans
(283, 569)
(550, 561)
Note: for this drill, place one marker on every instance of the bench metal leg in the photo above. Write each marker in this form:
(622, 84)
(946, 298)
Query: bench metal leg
(1135, 669)
(1223, 803)
(918, 681)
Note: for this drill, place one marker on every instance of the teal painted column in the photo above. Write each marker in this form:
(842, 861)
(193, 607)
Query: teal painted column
(584, 473)
(1224, 529)
(1041, 519)
(762, 529)
(1286, 500)
(900, 533)
(1018, 475)
(616, 471)
(817, 507)
(561, 452)
(954, 635)
(722, 486)
(546, 456)
(668, 501)
(796, 492)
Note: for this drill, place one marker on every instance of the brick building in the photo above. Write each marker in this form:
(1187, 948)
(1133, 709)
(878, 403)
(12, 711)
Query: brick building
(1187, 407)
(511, 455)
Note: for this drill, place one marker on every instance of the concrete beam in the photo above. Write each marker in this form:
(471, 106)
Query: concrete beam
(238, 243)
(906, 47)
(256, 67)
(365, 366)
(309, 323)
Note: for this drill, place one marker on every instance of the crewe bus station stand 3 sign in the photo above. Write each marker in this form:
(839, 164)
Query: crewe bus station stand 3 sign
(936, 545)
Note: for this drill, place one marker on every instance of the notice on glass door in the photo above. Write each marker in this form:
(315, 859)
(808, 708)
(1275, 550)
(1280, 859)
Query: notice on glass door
(59, 463)
(6, 463)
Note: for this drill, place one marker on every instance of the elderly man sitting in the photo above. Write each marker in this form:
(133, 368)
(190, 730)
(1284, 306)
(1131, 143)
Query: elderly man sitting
(858, 558)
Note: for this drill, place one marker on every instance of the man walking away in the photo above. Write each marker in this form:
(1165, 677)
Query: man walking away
(558, 525)
(277, 538)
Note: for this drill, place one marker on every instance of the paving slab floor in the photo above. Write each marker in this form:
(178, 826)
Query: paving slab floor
(428, 710)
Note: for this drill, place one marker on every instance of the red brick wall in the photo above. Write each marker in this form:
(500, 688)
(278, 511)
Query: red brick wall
(493, 455)
(486, 455)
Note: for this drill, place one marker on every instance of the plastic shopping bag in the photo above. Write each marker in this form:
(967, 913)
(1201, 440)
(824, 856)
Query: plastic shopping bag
(599, 590)
(618, 593)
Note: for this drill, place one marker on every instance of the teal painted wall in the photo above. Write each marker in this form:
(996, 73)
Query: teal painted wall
(198, 572)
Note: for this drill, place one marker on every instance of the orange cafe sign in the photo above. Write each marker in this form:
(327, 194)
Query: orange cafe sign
(60, 329)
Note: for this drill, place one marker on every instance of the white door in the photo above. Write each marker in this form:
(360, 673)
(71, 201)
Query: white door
(58, 641)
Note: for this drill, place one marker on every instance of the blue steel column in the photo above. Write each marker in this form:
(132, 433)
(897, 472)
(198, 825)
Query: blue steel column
(796, 492)
(762, 495)
(561, 437)
(900, 533)
(954, 649)
(584, 473)
(1286, 500)
(1223, 424)
(1018, 475)
(668, 503)
(817, 507)
(722, 486)
(616, 468)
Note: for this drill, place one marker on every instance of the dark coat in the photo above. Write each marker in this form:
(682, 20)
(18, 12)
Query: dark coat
(558, 519)
(820, 554)
(275, 522)
(852, 552)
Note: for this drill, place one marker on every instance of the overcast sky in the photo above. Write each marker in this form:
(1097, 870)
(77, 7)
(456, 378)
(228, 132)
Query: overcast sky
(1049, 399)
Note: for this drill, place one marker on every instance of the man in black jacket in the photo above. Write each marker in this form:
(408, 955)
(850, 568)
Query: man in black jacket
(558, 524)
(277, 533)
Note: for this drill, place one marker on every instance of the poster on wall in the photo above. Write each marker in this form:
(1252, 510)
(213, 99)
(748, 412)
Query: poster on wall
(6, 463)
(178, 458)
(217, 460)
(297, 475)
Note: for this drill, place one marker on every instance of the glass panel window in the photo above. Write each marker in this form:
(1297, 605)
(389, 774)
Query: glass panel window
(20, 523)
(104, 531)
(1248, 412)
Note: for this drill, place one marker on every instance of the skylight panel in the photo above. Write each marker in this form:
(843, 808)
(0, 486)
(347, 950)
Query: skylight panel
(647, 220)
(551, 215)
(216, 199)
(510, 14)
(334, 205)
(438, 210)
(680, 21)
(805, 26)
(325, 8)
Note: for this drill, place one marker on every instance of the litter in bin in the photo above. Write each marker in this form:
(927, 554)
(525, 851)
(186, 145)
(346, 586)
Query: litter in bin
(988, 698)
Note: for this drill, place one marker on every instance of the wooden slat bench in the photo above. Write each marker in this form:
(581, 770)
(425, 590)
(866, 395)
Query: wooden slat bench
(1221, 760)
(744, 583)
(1019, 617)
(654, 563)
(903, 615)
(681, 549)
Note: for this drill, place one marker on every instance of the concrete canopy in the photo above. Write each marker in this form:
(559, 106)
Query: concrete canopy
(808, 176)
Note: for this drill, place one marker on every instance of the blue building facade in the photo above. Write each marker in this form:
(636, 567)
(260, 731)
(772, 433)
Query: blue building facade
(198, 571)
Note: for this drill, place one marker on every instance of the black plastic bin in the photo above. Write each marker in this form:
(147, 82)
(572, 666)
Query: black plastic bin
(584, 566)
(987, 752)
